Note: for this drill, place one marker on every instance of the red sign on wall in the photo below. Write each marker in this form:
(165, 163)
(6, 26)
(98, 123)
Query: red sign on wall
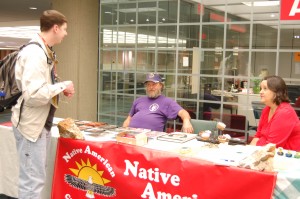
(290, 10)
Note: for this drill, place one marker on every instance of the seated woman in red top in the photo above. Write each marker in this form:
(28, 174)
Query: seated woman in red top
(279, 123)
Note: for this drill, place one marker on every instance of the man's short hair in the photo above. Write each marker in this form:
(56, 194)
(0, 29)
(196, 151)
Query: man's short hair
(50, 18)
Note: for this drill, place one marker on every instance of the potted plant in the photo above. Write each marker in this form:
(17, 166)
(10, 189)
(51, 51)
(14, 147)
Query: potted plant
(256, 86)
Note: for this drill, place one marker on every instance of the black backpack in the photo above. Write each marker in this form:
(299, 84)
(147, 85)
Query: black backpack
(9, 92)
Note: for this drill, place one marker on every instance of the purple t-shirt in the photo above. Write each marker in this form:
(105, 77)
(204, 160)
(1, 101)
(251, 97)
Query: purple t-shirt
(149, 113)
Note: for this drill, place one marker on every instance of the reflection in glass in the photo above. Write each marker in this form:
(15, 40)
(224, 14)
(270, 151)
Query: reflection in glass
(263, 60)
(145, 60)
(190, 34)
(168, 13)
(108, 59)
(108, 37)
(194, 11)
(127, 13)
(109, 14)
(166, 61)
(212, 36)
(184, 88)
(211, 14)
(185, 61)
(127, 37)
(167, 37)
(238, 35)
(290, 36)
(124, 105)
(147, 12)
(193, 52)
(146, 36)
(264, 36)
(128, 59)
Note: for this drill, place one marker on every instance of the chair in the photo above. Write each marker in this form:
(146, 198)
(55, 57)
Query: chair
(170, 127)
(201, 125)
(257, 109)
(236, 125)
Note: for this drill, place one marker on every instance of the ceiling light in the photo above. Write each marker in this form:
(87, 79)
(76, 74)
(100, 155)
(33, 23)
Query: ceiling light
(25, 32)
(148, 9)
(262, 3)
(32, 8)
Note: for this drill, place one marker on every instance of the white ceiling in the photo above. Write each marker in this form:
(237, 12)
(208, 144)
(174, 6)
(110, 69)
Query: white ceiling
(14, 13)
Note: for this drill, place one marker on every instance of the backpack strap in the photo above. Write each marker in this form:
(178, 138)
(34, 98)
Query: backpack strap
(49, 61)
(36, 43)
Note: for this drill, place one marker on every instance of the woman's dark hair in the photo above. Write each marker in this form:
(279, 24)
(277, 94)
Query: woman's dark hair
(50, 18)
(278, 86)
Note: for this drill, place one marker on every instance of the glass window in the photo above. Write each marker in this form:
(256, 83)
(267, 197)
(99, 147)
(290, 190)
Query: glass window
(127, 37)
(264, 36)
(109, 15)
(127, 13)
(266, 14)
(145, 60)
(204, 50)
(212, 36)
(289, 64)
(107, 104)
(146, 37)
(108, 37)
(189, 36)
(147, 12)
(185, 61)
(290, 36)
(184, 88)
(210, 12)
(166, 61)
(189, 12)
(126, 60)
(265, 61)
(167, 11)
(108, 59)
(238, 36)
(124, 105)
(208, 63)
(108, 83)
(125, 83)
(167, 37)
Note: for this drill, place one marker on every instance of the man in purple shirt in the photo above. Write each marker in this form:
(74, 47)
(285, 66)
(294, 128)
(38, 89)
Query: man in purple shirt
(153, 111)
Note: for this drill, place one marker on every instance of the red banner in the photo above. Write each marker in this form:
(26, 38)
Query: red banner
(85, 169)
(290, 10)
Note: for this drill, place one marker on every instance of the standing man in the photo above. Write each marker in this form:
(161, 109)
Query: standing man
(153, 111)
(33, 114)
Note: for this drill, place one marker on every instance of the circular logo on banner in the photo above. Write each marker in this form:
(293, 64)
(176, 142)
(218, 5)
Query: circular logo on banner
(153, 107)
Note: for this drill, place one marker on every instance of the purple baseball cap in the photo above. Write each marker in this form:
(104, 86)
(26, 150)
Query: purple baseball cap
(153, 77)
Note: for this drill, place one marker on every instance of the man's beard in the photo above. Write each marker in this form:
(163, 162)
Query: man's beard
(153, 94)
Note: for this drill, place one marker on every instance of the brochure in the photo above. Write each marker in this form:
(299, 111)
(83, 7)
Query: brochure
(179, 137)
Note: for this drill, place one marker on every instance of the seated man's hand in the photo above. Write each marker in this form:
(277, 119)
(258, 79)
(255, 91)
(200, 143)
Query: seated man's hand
(187, 127)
